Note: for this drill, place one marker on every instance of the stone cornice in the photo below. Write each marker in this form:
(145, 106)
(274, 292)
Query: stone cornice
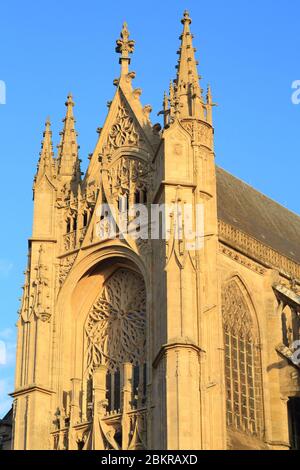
(31, 388)
(259, 252)
(177, 344)
(242, 259)
(174, 184)
(42, 240)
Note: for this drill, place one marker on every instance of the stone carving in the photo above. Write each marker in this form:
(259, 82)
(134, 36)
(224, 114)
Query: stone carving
(24, 310)
(201, 134)
(243, 260)
(70, 241)
(65, 266)
(122, 133)
(129, 174)
(125, 46)
(258, 250)
(36, 296)
(40, 294)
(236, 315)
(115, 327)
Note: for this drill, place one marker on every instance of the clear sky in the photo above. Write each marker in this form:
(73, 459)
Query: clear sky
(248, 51)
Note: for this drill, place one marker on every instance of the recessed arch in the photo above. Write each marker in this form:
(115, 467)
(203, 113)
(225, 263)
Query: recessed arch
(68, 354)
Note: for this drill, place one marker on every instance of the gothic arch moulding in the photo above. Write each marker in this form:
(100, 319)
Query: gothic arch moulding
(238, 307)
(107, 346)
(87, 276)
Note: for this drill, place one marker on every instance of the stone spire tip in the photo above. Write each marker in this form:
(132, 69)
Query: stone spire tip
(69, 101)
(125, 47)
(186, 17)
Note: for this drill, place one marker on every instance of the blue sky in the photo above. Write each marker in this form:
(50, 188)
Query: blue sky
(248, 51)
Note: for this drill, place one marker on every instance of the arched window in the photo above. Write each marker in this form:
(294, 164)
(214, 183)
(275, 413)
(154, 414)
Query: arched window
(85, 219)
(242, 362)
(140, 196)
(137, 197)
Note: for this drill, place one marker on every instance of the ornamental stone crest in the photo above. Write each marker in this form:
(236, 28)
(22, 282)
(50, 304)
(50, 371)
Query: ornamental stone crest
(129, 173)
(115, 328)
(123, 132)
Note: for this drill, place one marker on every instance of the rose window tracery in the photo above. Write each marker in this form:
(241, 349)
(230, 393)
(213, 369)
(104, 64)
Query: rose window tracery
(115, 327)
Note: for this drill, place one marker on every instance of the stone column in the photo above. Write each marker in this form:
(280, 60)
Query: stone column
(126, 404)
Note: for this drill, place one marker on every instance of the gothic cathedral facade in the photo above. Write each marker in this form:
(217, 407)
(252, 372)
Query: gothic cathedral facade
(139, 343)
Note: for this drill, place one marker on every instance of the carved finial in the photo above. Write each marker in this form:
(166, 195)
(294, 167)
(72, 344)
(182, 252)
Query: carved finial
(171, 90)
(186, 18)
(209, 95)
(46, 163)
(70, 101)
(165, 102)
(68, 160)
(125, 46)
(48, 124)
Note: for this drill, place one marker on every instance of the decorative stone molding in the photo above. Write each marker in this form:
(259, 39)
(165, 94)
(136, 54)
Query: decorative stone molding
(257, 250)
(241, 259)
(122, 133)
(200, 132)
(65, 267)
(177, 344)
(70, 241)
(128, 175)
(36, 295)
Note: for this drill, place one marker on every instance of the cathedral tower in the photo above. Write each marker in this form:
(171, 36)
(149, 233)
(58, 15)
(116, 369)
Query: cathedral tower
(153, 310)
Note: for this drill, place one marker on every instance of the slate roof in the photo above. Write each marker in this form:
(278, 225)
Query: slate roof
(252, 212)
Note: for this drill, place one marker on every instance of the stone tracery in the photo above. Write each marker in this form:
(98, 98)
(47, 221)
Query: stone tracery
(242, 363)
(115, 328)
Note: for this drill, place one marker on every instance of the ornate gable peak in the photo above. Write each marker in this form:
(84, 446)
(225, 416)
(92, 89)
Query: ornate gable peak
(123, 130)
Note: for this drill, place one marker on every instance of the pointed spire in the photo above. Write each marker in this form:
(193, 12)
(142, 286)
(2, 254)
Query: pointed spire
(125, 46)
(68, 161)
(188, 90)
(46, 162)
